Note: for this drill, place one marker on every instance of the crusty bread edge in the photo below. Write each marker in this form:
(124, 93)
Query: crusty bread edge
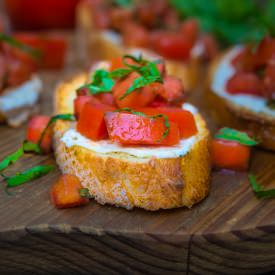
(128, 181)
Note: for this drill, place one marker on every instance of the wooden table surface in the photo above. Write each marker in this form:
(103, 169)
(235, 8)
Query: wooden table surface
(230, 232)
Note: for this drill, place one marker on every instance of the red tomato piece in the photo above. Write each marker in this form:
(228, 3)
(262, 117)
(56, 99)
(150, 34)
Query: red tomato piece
(183, 118)
(130, 129)
(230, 155)
(158, 102)
(265, 52)
(91, 122)
(65, 192)
(269, 81)
(135, 35)
(35, 128)
(138, 98)
(116, 63)
(106, 98)
(244, 60)
(244, 83)
(190, 29)
(171, 45)
(53, 49)
(80, 101)
(173, 89)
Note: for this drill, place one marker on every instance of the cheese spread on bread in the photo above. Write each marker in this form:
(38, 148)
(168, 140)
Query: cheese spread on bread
(222, 73)
(72, 138)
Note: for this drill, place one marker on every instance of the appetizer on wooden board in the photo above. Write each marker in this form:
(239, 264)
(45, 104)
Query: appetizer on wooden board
(132, 146)
(112, 30)
(242, 91)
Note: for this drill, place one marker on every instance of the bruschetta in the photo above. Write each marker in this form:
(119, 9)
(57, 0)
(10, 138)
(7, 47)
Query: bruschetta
(146, 152)
(111, 30)
(242, 92)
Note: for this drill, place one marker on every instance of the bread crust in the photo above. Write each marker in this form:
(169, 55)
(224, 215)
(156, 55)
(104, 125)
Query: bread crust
(127, 181)
(99, 48)
(227, 113)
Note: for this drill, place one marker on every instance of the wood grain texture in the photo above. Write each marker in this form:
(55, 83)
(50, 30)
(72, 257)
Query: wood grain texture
(230, 232)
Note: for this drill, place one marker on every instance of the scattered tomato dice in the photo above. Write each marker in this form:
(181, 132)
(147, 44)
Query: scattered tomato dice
(65, 192)
(135, 35)
(173, 89)
(36, 126)
(231, 155)
(131, 129)
(81, 100)
(91, 122)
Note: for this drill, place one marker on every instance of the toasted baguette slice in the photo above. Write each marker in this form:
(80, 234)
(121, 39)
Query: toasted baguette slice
(18, 103)
(101, 45)
(129, 181)
(238, 115)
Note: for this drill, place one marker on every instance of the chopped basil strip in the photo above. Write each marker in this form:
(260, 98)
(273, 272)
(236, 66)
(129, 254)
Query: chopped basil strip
(259, 190)
(234, 135)
(28, 175)
(120, 72)
(67, 117)
(27, 147)
(84, 193)
(271, 104)
(123, 3)
(21, 46)
(12, 158)
(166, 121)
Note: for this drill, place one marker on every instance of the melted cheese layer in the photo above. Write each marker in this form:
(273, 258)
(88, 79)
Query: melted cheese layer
(72, 138)
(223, 72)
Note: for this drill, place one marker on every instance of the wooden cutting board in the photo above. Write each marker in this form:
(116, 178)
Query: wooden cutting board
(230, 232)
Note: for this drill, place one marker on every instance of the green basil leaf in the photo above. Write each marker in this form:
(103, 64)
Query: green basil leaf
(123, 3)
(259, 190)
(21, 46)
(28, 175)
(234, 135)
(139, 83)
(271, 104)
(66, 117)
(10, 159)
(30, 147)
(121, 72)
(84, 193)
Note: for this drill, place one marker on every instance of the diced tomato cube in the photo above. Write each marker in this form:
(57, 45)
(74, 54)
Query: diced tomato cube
(269, 81)
(171, 45)
(244, 60)
(230, 155)
(244, 83)
(106, 98)
(138, 98)
(130, 129)
(36, 127)
(116, 63)
(80, 101)
(91, 122)
(190, 29)
(65, 192)
(265, 52)
(183, 118)
(173, 89)
(135, 35)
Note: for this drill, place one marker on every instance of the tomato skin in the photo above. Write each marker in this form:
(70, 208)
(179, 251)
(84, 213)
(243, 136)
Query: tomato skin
(139, 98)
(36, 126)
(31, 14)
(135, 35)
(265, 52)
(244, 83)
(80, 101)
(269, 82)
(173, 89)
(65, 192)
(91, 122)
(171, 45)
(130, 129)
(106, 98)
(230, 155)
(183, 118)
(116, 63)
(190, 29)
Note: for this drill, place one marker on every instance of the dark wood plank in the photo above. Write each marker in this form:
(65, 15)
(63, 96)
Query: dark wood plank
(230, 232)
